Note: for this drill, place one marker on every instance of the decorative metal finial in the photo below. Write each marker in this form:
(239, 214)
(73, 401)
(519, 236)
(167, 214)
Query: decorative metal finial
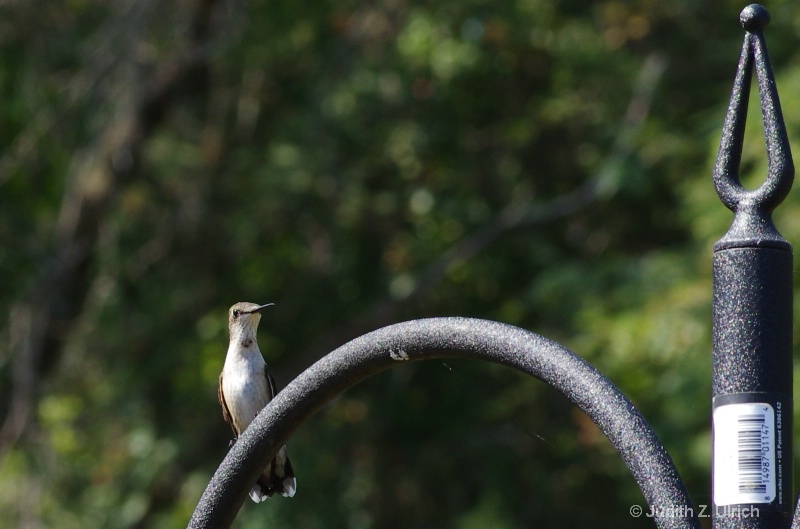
(752, 225)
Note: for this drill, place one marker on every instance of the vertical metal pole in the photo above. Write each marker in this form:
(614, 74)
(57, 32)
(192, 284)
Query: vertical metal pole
(752, 312)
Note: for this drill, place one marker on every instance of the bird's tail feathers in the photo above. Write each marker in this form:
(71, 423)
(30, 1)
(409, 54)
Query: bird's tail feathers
(278, 478)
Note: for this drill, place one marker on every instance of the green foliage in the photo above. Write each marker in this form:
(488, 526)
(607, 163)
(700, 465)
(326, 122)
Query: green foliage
(360, 164)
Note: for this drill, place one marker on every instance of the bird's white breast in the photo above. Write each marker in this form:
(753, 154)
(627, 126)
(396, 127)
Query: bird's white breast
(244, 385)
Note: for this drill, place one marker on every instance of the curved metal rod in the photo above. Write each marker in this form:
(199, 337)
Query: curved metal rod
(379, 350)
(753, 208)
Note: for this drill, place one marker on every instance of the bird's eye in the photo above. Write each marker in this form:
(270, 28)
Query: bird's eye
(235, 313)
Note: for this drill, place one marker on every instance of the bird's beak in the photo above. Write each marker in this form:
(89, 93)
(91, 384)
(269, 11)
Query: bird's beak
(262, 307)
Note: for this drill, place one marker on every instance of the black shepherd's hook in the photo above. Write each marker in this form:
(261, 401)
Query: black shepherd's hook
(752, 381)
(668, 503)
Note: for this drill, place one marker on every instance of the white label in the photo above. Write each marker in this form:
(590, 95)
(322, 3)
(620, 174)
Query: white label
(744, 453)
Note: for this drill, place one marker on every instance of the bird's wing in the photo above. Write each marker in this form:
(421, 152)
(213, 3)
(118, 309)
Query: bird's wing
(226, 414)
(270, 384)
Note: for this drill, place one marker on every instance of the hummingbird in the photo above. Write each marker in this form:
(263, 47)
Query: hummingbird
(245, 387)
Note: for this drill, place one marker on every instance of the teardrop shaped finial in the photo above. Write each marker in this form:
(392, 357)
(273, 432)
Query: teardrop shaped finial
(752, 223)
(754, 17)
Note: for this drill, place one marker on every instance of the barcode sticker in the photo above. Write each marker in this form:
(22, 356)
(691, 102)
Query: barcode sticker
(744, 453)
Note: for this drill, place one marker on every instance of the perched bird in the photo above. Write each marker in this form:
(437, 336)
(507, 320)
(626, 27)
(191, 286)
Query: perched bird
(245, 387)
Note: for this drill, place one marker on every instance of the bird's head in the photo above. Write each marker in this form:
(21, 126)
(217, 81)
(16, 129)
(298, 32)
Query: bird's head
(243, 319)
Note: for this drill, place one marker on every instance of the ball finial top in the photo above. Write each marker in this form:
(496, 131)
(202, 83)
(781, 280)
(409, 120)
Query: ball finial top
(754, 17)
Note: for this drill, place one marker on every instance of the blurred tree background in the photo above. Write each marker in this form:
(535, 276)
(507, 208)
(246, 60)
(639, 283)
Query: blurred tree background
(541, 163)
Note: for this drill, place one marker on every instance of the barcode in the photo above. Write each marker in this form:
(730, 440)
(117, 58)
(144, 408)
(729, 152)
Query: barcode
(753, 435)
(744, 453)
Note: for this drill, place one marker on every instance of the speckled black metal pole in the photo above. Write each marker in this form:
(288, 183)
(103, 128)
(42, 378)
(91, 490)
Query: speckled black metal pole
(752, 311)
(377, 351)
